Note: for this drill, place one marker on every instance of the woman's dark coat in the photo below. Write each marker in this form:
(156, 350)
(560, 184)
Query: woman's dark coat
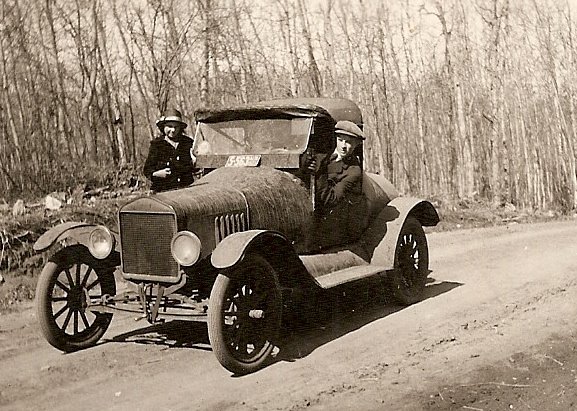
(161, 155)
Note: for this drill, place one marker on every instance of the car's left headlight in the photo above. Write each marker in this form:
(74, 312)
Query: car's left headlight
(185, 248)
(100, 242)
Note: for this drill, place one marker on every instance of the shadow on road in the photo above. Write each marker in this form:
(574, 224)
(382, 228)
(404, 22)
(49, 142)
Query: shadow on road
(174, 334)
(433, 290)
(341, 314)
(308, 327)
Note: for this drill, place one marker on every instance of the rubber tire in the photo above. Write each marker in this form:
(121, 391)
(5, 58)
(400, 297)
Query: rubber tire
(405, 287)
(66, 258)
(218, 301)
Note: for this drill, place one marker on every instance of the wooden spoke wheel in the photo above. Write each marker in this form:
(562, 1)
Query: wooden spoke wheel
(244, 315)
(411, 264)
(67, 283)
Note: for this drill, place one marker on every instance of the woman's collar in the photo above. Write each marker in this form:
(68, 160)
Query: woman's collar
(170, 141)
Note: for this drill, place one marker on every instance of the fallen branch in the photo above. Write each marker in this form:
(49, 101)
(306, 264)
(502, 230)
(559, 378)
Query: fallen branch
(96, 191)
(3, 240)
(553, 359)
(501, 384)
(153, 361)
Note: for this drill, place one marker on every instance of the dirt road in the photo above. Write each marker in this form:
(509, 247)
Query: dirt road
(495, 293)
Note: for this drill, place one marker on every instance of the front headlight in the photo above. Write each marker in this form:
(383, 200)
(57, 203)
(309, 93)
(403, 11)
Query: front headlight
(100, 242)
(185, 248)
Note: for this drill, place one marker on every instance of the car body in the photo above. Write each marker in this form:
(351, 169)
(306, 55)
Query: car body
(234, 245)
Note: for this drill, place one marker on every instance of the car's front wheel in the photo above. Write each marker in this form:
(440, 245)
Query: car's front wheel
(244, 315)
(411, 266)
(67, 283)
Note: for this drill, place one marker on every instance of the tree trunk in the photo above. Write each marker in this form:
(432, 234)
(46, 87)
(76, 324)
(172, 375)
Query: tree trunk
(17, 149)
(134, 73)
(112, 98)
(287, 35)
(315, 74)
(205, 71)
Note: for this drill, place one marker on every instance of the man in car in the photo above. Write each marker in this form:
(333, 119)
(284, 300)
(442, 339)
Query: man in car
(170, 162)
(343, 174)
(340, 204)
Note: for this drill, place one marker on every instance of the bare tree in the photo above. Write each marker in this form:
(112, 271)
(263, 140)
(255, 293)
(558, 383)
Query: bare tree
(287, 31)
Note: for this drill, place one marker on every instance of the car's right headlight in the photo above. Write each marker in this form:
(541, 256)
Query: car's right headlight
(185, 248)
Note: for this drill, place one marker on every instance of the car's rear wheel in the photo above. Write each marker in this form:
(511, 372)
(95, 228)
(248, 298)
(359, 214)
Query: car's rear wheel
(71, 278)
(408, 278)
(244, 315)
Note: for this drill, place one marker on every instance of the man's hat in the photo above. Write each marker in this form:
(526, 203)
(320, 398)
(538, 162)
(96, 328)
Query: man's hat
(170, 115)
(349, 128)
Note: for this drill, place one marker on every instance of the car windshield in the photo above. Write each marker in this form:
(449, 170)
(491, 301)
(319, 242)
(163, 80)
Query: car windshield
(262, 136)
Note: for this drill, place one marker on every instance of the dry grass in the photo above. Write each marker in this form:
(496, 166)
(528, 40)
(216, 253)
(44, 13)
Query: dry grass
(20, 265)
(460, 214)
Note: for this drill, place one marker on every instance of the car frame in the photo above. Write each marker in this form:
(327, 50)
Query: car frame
(235, 247)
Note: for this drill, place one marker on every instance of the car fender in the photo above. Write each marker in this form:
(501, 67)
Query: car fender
(272, 245)
(380, 239)
(77, 231)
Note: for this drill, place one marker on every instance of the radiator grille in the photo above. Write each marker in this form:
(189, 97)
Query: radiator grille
(225, 225)
(145, 240)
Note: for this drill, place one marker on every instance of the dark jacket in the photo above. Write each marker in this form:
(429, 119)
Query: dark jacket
(341, 210)
(342, 179)
(161, 155)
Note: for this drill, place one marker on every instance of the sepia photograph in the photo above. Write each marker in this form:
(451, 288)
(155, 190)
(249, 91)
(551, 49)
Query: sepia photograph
(288, 205)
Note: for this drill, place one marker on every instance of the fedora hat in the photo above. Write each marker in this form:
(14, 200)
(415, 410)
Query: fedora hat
(349, 128)
(171, 115)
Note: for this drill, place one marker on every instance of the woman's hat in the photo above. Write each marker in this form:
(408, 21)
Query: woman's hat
(349, 128)
(170, 115)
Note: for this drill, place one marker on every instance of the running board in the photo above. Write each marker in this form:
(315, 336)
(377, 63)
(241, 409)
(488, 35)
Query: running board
(347, 275)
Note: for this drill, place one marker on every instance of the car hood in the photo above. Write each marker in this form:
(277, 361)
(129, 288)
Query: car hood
(276, 200)
(263, 197)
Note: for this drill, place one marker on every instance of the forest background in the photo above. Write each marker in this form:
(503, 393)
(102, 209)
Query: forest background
(461, 99)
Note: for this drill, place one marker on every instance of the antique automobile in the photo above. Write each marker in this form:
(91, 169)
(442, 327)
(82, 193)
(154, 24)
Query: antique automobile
(234, 247)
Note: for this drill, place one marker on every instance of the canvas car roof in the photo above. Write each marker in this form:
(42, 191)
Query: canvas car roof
(333, 108)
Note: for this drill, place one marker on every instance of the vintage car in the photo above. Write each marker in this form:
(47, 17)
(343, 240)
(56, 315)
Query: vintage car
(235, 246)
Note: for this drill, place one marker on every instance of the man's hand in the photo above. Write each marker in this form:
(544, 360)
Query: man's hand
(163, 173)
(316, 163)
(311, 164)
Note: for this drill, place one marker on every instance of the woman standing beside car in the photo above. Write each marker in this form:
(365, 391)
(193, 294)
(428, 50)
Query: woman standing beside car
(170, 162)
